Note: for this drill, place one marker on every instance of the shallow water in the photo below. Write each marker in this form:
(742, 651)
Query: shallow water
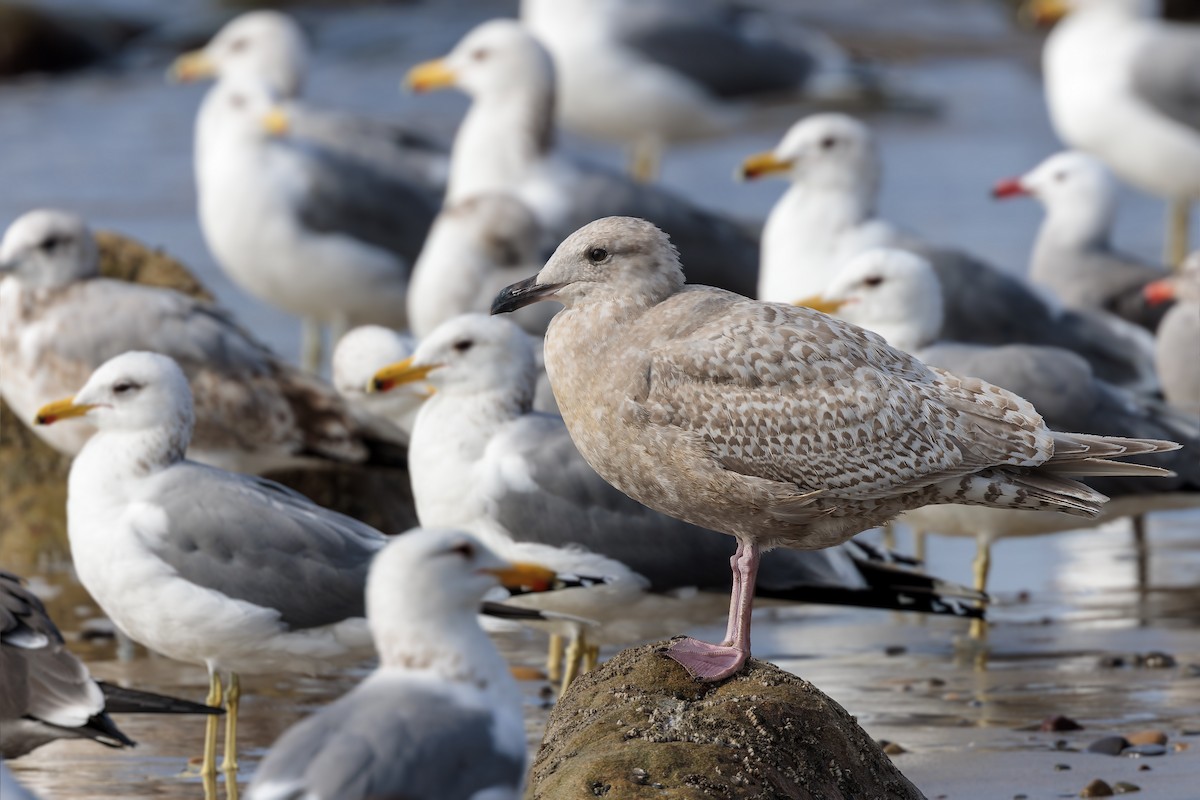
(115, 145)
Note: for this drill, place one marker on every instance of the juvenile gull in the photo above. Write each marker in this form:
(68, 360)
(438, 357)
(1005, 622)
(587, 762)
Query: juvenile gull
(506, 143)
(1175, 354)
(895, 294)
(828, 215)
(475, 248)
(1124, 85)
(440, 718)
(775, 424)
(48, 693)
(481, 459)
(1073, 256)
(269, 47)
(308, 231)
(205, 566)
(59, 321)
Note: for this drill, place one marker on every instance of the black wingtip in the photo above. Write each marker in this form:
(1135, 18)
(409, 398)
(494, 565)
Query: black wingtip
(119, 700)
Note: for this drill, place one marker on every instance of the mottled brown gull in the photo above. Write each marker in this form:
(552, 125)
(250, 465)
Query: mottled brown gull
(777, 425)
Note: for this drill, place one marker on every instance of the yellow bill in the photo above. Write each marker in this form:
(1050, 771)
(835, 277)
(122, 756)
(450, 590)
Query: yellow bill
(818, 303)
(1046, 12)
(525, 577)
(191, 67)
(61, 409)
(276, 122)
(399, 373)
(762, 164)
(430, 75)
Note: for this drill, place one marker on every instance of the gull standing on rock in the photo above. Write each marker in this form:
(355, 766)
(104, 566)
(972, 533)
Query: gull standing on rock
(209, 567)
(1124, 85)
(440, 718)
(320, 236)
(59, 321)
(828, 215)
(482, 459)
(1073, 256)
(1176, 356)
(269, 47)
(506, 143)
(896, 295)
(775, 424)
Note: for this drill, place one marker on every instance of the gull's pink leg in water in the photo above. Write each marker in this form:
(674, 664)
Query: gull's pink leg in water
(714, 662)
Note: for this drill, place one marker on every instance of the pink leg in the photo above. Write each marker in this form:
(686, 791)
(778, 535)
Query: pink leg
(714, 662)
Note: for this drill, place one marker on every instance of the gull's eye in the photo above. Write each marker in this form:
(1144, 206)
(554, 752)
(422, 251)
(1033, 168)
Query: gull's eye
(597, 255)
(828, 143)
(1060, 176)
(873, 280)
(126, 386)
(479, 54)
(52, 243)
(464, 549)
(463, 345)
(237, 101)
(238, 45)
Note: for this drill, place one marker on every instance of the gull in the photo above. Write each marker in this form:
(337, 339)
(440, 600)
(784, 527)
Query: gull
(828, 215)
(775, 424)
(506, 143)
(318, 235)
(269, 47)
(1123, 85)
(1175, 354)
(11, 788)
(483, 460)
(441, 715)
(48, 693)
(59, 321)
(358, 355)
(1073, 256)
(475, 248)
(643, 72)
(205, 566)
(896, 295)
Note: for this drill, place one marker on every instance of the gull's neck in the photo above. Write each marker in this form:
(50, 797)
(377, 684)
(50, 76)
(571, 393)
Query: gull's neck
(448, 643)
(450, 436)
(115, 455)
(502, 138)
(1083, 226)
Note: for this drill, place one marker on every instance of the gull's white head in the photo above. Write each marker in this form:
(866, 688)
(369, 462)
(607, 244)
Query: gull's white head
(469, 354)
(47, 248)
(264, 46)
(133, 392)
(622, 259)
(497, 225)
(827, 151)
(492, 60)
(1077, 191)
(894, 293)
(237, 111)
(358, 355)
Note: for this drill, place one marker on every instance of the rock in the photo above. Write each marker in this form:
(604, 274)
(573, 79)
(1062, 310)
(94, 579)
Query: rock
(1147, 737)
(1061, 767)
(1155, 660)
(1121, 787)
(1097, 788)
(893, 749)
(762, 734)
(1137, 751)
(39, 39)
(1109, 745)
(1059, 723)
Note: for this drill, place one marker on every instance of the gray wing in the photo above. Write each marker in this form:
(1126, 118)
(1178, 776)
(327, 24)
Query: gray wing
(386, 742)
(247, 399)
(986, 306)
(684, 36)
(254, 540)
(717, 251)
(401, 153)
(1113, 282)
(1068, 395)
(346, 196)
(1166, 73)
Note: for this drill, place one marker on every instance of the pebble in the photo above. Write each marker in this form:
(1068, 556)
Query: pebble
(640, 776)
(1191, 670)
(1179, 747)
(1109, 745)
(1097, 788)
(893, 749)
(1061, 767)
(1060, 723)
(1143, 767)
(1155, 660)
(1121, 787)
(895, 650)
(1147, 737)
(1137, 751)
